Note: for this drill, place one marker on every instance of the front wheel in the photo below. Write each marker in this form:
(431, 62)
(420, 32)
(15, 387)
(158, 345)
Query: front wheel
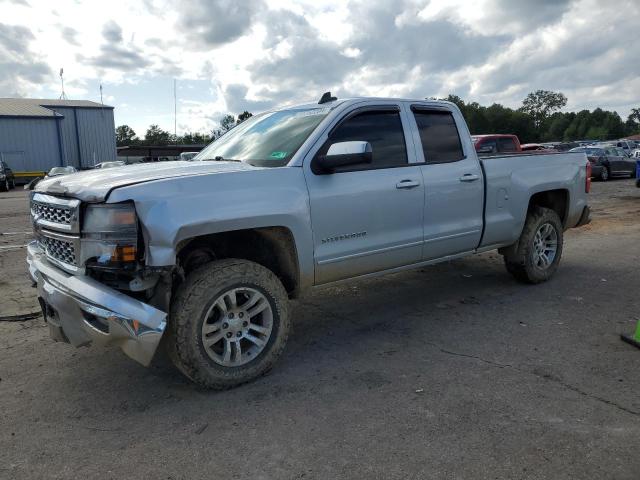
(604, 176)
(539, 248)
(4, 186)
(229, 323)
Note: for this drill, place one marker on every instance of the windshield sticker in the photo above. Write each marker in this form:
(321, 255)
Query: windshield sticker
(278, 154)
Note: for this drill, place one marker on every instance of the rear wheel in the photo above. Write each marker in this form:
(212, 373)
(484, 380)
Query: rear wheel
(5, 185)
(229, 323)
(539, 248)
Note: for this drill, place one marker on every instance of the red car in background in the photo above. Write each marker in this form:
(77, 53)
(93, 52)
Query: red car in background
(496, 144)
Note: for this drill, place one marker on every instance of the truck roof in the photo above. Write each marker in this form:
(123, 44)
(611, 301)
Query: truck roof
(339, 101)
(494, 135)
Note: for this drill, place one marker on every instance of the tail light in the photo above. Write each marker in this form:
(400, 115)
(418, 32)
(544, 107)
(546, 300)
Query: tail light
(587, 182)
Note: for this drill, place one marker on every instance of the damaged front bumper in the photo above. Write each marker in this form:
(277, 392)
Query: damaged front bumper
(81, 311)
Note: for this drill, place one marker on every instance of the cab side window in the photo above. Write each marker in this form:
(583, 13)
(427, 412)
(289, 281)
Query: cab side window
(489, 146)
(439, 136)
(382, 129)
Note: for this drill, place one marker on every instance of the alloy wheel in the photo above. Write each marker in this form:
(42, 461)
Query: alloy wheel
(237, 326)
(545, 246)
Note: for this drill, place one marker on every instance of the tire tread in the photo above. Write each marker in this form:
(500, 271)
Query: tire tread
(186, 309)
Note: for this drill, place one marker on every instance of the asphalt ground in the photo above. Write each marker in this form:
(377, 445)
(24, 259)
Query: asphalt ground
(451, 371)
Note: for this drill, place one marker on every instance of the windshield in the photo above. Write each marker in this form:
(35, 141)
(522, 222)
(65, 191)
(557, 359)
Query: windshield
(268, 140)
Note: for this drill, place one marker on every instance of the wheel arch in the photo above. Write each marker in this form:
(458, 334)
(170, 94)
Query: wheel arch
(557, 200)
(272, 247)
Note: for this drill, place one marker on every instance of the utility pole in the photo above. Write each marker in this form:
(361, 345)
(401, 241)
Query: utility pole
(63, 96)
(175, 113)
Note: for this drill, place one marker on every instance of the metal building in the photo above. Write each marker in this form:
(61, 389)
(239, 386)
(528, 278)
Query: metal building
(36, 135)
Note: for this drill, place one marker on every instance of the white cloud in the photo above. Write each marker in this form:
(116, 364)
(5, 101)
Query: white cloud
(231, 56)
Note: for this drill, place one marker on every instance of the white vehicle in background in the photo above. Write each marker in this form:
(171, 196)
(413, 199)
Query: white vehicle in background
(627, 145)
(57, 171)
(188, 156)
(117, 163)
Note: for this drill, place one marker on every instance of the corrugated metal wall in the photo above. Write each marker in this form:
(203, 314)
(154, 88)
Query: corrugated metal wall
(68, 134)
(36, 138)
(93, 142)
(97, 135)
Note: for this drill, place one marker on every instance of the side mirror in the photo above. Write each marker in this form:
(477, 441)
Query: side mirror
(343, 154)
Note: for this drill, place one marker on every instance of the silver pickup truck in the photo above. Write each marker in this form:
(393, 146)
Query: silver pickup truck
(205, 255)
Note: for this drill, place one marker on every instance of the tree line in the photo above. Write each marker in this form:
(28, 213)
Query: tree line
(539, 119)
(126, 136)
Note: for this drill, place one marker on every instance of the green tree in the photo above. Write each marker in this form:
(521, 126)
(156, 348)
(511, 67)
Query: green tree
(227, 122)
(558, 123)
(632, 125)
(635, 115)
(194, 138)
(243, 116)
(541, 104)
(125, 135)
(157, 136)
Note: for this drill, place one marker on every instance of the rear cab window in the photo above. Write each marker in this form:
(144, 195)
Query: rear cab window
(507, 144)
(439, 135)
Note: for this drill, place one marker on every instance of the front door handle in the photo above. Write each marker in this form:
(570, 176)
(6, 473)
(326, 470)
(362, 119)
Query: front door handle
(407, 184)
(469, 177)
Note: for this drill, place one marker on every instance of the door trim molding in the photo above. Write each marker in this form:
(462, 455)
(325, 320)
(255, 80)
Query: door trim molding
(369, 252)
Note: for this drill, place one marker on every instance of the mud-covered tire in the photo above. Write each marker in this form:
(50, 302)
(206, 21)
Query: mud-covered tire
(194, 299)
(520, 261)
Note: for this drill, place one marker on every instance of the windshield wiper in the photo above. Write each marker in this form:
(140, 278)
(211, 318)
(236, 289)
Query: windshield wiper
(219, 158)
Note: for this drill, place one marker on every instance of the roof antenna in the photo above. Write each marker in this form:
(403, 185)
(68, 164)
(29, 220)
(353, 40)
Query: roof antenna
(326, 97)
(63, 96)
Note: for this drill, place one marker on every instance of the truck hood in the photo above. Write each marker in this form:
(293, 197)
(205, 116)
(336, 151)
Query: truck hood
(95, 185)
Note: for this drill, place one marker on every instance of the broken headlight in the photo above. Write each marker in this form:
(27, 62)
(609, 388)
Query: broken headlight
(110, 233)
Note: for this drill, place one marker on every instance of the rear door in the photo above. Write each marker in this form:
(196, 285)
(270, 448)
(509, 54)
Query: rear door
(367, 218)
(616, 161)
(453, 180)
(625, 161)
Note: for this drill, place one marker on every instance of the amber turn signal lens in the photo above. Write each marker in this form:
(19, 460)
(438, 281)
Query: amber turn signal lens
(124, 217)
(126, 253)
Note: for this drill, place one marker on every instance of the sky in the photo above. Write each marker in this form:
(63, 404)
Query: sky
(228, 56)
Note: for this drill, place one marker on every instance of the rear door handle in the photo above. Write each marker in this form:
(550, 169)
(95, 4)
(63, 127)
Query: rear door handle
(407, 184)
(469, 177)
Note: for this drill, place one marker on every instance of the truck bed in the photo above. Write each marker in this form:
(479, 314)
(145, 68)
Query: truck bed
(511, 180)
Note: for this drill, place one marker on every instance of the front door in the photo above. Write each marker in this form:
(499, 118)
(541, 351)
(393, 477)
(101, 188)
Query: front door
(367, 218)
(454, 190)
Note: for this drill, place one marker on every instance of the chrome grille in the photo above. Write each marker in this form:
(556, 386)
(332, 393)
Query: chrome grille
(60, 250)
(51, 213)
(55, 213)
